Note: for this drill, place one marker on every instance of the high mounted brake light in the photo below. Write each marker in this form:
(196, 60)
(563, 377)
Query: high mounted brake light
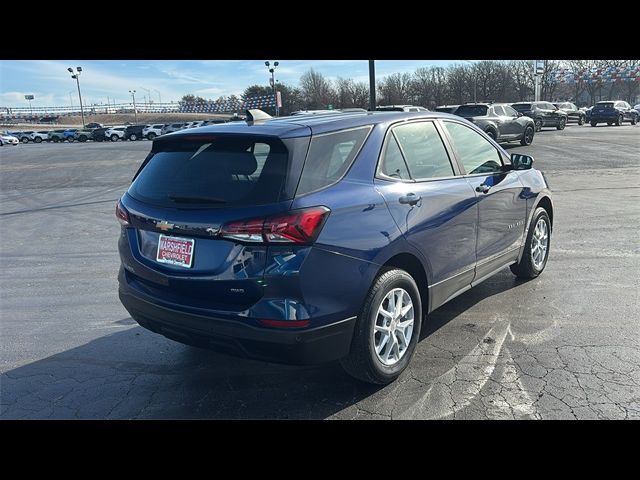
(299, 227)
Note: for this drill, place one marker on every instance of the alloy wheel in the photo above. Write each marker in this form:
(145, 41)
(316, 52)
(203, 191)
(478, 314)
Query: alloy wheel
(539, 244)
(393, 326)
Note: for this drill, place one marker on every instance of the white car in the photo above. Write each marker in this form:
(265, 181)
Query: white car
(8, 140)
(38, 137)
(637, 107)
(115, 133)
(152, 131)
(195, 124)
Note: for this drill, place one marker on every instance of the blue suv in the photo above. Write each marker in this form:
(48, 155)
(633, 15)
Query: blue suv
(313, 238)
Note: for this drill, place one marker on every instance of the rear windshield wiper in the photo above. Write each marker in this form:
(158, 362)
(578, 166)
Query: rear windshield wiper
(194, 199)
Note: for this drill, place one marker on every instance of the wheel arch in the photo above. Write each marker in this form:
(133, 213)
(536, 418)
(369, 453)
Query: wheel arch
(545, 202)
(413, 266)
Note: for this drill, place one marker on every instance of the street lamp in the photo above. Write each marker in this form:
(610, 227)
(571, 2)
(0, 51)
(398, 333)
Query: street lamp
(273, 82)
(135, 112)
(76, 76)
(159, 97)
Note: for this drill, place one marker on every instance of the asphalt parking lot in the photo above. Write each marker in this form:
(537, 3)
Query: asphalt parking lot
(565, 345)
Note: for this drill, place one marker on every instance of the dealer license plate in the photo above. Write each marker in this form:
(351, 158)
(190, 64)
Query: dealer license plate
(175, 251)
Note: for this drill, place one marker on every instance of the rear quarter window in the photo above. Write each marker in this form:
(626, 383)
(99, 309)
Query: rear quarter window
(330, 157)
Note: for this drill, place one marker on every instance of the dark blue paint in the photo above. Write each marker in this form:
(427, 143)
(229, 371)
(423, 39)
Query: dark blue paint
(454, 233)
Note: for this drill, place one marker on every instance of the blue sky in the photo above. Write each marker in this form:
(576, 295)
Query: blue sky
(51, 84)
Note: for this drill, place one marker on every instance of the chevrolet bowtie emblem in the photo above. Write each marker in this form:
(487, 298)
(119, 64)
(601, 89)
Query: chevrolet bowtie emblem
(164, 226)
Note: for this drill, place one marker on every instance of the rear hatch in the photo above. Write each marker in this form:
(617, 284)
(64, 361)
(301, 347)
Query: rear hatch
(188, 189)
(604, 109)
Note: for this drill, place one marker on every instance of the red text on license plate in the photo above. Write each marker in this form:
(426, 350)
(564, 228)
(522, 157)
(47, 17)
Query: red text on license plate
(175, 251)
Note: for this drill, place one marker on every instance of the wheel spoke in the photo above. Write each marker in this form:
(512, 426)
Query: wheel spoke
(390, 347)
(405, 310)
(383, 342)
(381, 328)
(385, 314)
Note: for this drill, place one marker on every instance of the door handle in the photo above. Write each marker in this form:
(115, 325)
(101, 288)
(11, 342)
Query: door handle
(483, 188)
(410, 199)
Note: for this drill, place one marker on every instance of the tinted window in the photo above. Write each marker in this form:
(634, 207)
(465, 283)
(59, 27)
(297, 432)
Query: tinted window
(329, 158)
(475, 152)
(521, 107)
(393, 164)
(510, 112)
(423, 150)
(471, 110)
(498, 111)
(221, 172)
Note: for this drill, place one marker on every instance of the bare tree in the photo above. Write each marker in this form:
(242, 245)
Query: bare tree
(395, 89)
(429, 86)
(317, 91)
(351, 94)
(521, 72)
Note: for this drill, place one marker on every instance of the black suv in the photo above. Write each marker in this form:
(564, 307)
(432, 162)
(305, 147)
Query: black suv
(133, 132)
(572, 112)
(501, 122)
(544, 114)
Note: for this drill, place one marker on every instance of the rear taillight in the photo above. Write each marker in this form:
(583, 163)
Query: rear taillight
(298, 226)
(122, 214)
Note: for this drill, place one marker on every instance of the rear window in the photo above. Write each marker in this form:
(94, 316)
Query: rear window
(330, 156)
(472, 111)
(604, 105)
(521, 107)
(220, 171)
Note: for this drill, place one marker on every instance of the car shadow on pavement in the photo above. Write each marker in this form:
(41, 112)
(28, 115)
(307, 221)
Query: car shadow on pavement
(134, 373)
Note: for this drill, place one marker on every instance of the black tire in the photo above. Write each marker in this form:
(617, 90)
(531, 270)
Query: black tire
(83, 138)
(133, 137)
(37, 140)
(151, 135)
(362, 361)
(561, 124)
(24, 139)
(581, 120)
(594, 124)
(71, 139)
(55, 139)
(609, 124)
(526, 268)
(492, 134)
(634, 120)
(619, 120)
(527, 136)
(537, 124)
(114, 138)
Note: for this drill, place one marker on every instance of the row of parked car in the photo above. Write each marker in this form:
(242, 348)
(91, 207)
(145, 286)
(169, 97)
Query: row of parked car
(518, 121)
(99, 133)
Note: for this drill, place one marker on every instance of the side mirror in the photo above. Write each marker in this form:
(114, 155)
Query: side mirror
(521, 162)
(520, 114)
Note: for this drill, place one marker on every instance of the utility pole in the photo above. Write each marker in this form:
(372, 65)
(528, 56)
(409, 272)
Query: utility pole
(372, 85)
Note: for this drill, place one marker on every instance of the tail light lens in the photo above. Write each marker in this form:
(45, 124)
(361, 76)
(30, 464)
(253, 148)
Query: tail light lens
(122, 215)
(300, 227)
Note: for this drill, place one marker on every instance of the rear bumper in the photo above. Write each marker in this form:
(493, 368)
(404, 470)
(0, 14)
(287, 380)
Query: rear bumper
(292, 346)
(604, 118)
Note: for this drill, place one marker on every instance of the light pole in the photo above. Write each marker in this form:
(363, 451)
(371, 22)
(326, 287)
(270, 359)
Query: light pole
(76, 75)
(273, 82)
(135, 111)
(159, 97)
(30, 97)
(148, 95)
(372, 85)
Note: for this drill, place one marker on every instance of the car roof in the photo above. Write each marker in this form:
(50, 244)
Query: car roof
(299, 125)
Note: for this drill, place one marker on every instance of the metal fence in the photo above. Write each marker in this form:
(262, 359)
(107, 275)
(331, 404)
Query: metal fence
(41, 113)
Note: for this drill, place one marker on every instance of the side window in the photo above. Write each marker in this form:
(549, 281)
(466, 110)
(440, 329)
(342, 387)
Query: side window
(330, 156)
(499, 111)
(423, 150)
(392, 164)
(510, 112)
(476, 154)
